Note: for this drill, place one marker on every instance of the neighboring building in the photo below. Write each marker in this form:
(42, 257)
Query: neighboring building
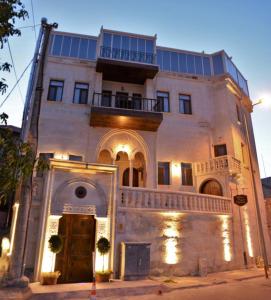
(266, 184)
(146, 144)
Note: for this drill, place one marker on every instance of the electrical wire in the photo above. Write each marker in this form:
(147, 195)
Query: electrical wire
(2, 103)
(15, 73)
(30, 26)
(33, 16)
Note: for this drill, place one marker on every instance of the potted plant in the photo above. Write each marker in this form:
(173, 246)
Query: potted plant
(55, 246)
(103, 246)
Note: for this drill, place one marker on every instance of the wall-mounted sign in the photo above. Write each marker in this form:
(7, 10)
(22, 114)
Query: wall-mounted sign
(240, 200)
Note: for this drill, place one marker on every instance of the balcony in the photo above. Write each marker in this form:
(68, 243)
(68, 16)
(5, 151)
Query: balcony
(225, 163)
(126, 65)
(125, 112)
(166, 201)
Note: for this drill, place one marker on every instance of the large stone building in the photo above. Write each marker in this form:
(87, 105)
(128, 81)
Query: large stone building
(147, 144)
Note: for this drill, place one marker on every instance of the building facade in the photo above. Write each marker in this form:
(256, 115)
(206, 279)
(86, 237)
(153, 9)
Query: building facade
(146, 144)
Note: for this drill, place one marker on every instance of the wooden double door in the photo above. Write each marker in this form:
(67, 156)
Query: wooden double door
(75, 260)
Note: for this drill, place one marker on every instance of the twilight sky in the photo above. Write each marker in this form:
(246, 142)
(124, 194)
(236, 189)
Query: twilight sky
(241, 27)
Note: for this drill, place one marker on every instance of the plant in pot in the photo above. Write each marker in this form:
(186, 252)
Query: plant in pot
(103, 246)
(55, 246)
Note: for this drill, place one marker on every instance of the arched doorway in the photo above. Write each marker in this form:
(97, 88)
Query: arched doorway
(126, 175)
(211, 187)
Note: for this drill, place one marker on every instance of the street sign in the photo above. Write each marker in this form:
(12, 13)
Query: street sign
(240, 200)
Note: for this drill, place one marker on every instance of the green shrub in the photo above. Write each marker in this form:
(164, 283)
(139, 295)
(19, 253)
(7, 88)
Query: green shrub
(55, 243)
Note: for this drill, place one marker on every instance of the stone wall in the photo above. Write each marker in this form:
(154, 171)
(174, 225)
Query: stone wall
(178, 240)
(268, 214)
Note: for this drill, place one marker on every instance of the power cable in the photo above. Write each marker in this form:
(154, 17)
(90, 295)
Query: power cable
(30, 26)
(2, 103)
(15, 73)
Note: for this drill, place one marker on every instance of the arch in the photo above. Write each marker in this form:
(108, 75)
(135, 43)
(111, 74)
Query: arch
(105, 157)
(123, 140)
(211, 187)
(64, 195)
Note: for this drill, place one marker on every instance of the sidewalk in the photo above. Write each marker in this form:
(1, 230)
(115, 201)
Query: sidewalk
(116, 288)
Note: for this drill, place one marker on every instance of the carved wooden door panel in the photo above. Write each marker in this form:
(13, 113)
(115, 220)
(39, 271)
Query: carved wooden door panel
(75, 260)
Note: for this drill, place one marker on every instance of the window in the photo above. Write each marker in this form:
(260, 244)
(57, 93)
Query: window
(187, 178)
(163, 173)
(162, 102)
(238, 113)
(220, 150)
(185, 104)
(55, 90)
(75, 157)
(80, 93)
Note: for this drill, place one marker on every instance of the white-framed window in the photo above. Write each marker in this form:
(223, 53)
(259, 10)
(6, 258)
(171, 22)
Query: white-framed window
(80, 95)
(55, 91)
(185, 106)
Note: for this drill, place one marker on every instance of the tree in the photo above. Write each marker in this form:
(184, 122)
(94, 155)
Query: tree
(10, 12)
(17, 162)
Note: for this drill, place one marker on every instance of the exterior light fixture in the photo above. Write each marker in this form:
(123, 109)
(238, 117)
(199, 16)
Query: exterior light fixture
(176, 169)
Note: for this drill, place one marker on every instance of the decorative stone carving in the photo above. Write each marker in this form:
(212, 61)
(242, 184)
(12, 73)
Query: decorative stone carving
(82, 209)
(95, 201)
(48, 261)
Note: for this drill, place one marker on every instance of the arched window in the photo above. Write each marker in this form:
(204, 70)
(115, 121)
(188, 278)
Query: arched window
(211, 187)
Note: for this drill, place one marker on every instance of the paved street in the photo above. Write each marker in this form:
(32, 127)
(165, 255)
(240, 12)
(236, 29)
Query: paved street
(252, 289)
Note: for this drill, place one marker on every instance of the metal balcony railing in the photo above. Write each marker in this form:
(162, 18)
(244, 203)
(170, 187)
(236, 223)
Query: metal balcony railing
(128, 102)
(128, 55)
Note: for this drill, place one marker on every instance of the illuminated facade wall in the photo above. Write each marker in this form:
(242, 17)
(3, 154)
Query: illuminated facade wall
(178, 238)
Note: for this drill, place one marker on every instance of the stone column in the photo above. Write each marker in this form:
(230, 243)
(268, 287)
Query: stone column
(131, 173)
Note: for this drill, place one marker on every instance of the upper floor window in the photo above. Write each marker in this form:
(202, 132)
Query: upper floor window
(55, 90)
(163, 173)
(185, 104)
(187, 178)
(162, 102)
(80, 93)
(220, 150)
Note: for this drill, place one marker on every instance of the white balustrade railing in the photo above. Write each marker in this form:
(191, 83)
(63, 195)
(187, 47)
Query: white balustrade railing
(173, 201)
(225, 163)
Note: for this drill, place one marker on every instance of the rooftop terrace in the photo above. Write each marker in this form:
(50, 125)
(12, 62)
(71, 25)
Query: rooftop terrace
(142, 50)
